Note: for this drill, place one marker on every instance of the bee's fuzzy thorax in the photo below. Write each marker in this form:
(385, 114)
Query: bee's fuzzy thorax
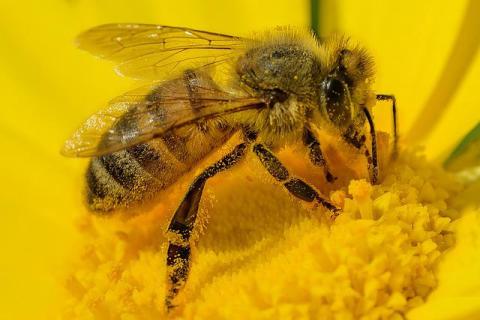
(281, 124)
(327, 49)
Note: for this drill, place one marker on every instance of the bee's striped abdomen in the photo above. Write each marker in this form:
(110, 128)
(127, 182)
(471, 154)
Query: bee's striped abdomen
(116, 179)
(122, 178)
(129, 176)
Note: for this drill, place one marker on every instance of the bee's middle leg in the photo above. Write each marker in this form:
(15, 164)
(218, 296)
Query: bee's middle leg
(295, 186)
(182, 223)
(315, 154)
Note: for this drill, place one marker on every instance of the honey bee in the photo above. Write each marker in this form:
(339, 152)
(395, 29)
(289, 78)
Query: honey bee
(273, 88)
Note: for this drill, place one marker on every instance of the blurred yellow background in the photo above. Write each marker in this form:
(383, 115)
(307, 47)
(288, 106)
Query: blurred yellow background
(426, 54)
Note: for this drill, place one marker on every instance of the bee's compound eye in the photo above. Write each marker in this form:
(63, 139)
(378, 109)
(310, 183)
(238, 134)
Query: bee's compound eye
(336, 100)
(334, 91)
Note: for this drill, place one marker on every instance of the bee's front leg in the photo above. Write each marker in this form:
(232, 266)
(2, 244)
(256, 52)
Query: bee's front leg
(315, 154)
(295, 186)
(373, 161)
(357, 139)
(391, 98)
(182, 223)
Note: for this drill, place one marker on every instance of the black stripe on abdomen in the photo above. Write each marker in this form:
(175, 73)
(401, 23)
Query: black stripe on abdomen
(144, 154)
(177, 145)
(95, 187)
(117, 180)
(103, 192)
(157, 159)
(120, 166)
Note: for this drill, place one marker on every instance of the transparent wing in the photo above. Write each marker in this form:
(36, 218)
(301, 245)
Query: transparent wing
(137, 117)
(155, 52)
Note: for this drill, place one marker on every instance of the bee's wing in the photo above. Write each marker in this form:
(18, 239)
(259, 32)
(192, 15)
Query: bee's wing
(138, 117)
(155, 52)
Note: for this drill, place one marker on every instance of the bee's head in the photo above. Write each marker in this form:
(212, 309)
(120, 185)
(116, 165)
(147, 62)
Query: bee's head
(345, 88)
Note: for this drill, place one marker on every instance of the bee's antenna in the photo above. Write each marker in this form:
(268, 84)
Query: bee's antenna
(395, 125)
(374, 146)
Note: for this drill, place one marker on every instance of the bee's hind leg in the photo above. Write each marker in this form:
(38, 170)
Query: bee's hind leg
(315, 154)
(182, 223)
(295, 186)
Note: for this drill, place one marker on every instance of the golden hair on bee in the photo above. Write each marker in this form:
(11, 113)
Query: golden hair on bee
(284, 35)
(358, 61)
(358, 66)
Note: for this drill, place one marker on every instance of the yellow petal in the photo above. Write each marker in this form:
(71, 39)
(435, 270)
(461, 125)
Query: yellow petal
(458, 293)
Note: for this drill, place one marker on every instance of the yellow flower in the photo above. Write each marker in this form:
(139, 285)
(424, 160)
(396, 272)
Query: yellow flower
(262, 254)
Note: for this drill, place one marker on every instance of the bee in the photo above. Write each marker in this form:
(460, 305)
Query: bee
(273, 88)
